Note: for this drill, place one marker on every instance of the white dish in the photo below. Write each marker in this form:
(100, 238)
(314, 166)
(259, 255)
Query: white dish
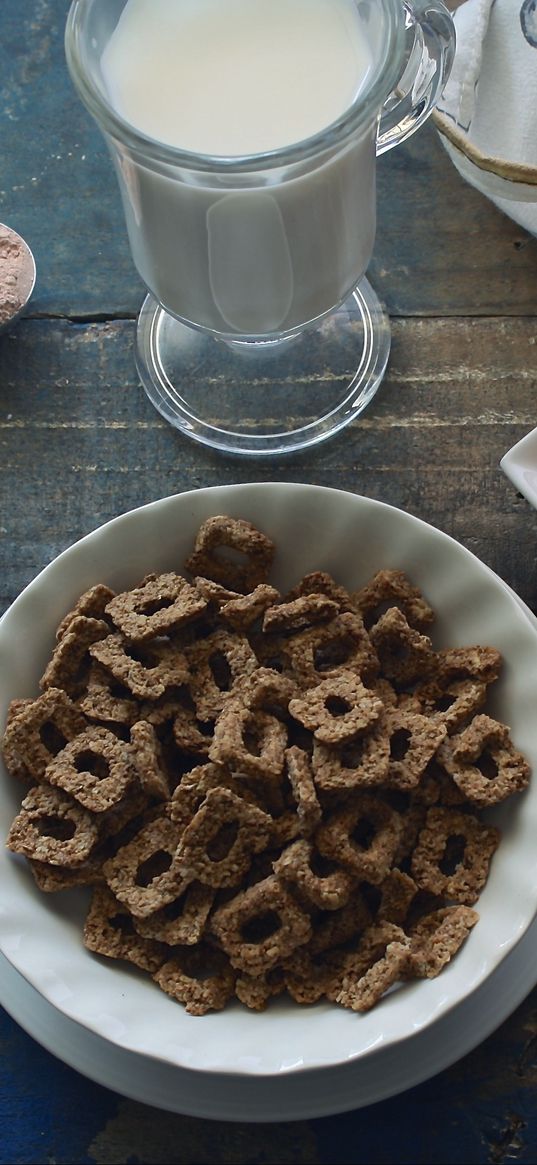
(351, 537)
(520, 465)
(299, 1097)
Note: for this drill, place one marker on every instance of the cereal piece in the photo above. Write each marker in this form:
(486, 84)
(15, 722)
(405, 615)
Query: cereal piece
(320, 651)
(284, 828)
(484, 763)
(243, 610)
(404, 653)
(334, 928)
(51, 879)
(39, 731)
(190, 734)
(397, 892)
(321, 882)
(250, 742)
(232, 552)
(381, 959)
(437, 937)
(453, 854)
(218, 844)
(199, 977)
(476, 663)
(105, 699)
(216, 662)
(92, 604)
(265, 688)
(319, 582)
(70, 662)
(95, 768)
(338, 708)
(414, 740)
(14, 765)
(147, 671)
(412, 822)
(109, 931)
(300, 773)
(52, 828)
(145, 874)
(451, 702)
(392, 588)
(308, 977)
(260, 926)
(360, 763)
(363, 836)
(193, 788)
(180, 923)
(159, 607)
(148, 761)
(256, 990)
(299, 613)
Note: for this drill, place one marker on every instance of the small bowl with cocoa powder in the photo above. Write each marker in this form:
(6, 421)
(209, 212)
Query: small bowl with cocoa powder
(17, 276)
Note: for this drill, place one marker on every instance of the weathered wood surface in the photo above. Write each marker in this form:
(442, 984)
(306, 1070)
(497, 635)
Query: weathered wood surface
(79, 443)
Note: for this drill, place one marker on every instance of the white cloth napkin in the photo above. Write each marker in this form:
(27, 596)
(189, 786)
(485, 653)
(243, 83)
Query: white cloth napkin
(487, 116)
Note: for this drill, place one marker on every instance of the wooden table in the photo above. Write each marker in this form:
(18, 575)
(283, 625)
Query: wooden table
(80, 443)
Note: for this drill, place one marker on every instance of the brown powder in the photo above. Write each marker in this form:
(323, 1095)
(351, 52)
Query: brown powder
(17, 274)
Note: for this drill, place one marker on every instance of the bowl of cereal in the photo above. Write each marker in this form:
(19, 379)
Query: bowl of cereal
(267, 797)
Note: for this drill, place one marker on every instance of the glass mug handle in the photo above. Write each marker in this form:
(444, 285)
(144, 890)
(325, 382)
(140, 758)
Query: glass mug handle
(430, 49)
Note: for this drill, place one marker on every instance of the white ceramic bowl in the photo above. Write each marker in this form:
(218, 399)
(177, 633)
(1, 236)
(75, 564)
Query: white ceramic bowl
(350, 536)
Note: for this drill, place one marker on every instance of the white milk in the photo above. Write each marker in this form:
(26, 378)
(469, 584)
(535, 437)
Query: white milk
(246, 253)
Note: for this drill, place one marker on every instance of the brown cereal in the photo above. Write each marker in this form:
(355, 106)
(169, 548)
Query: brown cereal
(414, 740)
(338, 708)
(359, 763)
(296, 614)
(437, 937)
(70, 662)
(404, 653)
(106, 700)
(392, 588)
(148, 761)
(300, 773)
(52, 828)
(256, 990)
(484, 763)
(453, 702)
(199, 977)
(182, 922)
(39, 731)
(215, 663)
(363, 837)
(245, 567)
(147, 671)
(260, 926)
(250, 742)
(460, 663)
(92, 604)
(193, 788)
(321, 882)
(109, 931)
(165, 603)
(217, 845)
(459, 843)
(320, 651)
(381, 959)
(95, 768)
(397, 892)
(319, 582)
(145, 874)
(243, 610)
(51, 879)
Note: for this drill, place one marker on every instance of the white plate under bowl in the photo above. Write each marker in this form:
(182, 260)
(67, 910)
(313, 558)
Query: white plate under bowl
(351, 537)
(520, 466)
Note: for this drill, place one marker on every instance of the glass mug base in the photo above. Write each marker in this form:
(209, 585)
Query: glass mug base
(255, 399)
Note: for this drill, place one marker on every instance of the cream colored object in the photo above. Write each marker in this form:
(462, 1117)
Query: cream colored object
(487, 114)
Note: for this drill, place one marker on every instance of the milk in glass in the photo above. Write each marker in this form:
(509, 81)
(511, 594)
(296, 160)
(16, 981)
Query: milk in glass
(272, 247)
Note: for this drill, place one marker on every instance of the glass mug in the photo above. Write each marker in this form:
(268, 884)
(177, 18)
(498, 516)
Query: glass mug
(260, 333)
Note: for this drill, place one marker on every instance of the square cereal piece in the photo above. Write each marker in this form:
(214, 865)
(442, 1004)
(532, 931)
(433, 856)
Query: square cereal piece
(182, 922)
(106, 700)
(145, 874)
(232, 552)
(300, 773)
(148, 761)
(414, 741)
(215, 664)
(39, 731)
(249, 742)
(165, 603)
(296, 614)
(147, 671)
(52, 828)
(392, 588)
(319, 882)
(381, 960)
(95, 768)
(219, 842)
(92, 604)
(453, 854)
(437, 937)
(484, 763)
(405, 654)
(363, 836)
(109, 931)
(260, 926)
(70, 663)
(360, 763)
(323, 650)
(200, 977)
(338, 708)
